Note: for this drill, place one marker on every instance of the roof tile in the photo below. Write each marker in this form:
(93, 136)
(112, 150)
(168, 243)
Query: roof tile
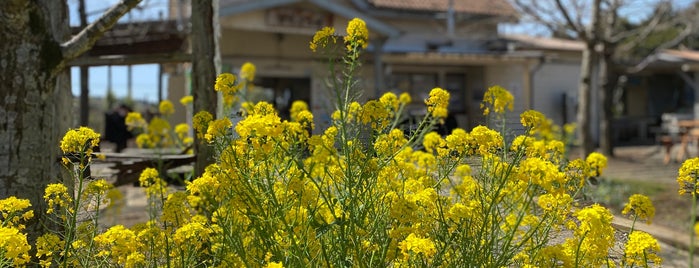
(486, 7)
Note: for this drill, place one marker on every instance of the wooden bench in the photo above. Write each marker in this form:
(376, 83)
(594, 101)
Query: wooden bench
(128, 167)
(671, 132)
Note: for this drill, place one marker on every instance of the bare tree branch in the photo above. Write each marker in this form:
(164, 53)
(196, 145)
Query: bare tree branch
(84, 40)
(541, 15)
(653, 55)
(579, 29)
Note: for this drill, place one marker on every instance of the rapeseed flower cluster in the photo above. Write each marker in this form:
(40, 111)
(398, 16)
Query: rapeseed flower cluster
(166, 108)
(640, 207)
(497, 99)
(82, 139)
(357, 34)
(688, 177)
(360, 193)
(437, 102)
(135, 120)
(14, 247)
(687, 180)
(158, 133)
(322, 38)
(641, 249)
(186, 100)
(247, 72)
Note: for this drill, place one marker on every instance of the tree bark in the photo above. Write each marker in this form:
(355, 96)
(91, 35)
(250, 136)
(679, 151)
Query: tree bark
(608, 81)
(584, 109)
(84, 75)
(206, 62)
(587, 68)
(30, 119)
(35, 99)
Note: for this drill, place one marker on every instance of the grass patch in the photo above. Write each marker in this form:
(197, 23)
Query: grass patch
(614, 193)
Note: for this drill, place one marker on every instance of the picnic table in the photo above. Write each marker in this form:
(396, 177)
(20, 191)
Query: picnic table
(689, 132)
(128, 166)
(684, 131)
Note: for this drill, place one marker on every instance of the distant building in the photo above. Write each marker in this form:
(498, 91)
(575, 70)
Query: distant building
(414, 46)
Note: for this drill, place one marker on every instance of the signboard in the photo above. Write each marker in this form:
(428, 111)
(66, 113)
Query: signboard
(298, 18)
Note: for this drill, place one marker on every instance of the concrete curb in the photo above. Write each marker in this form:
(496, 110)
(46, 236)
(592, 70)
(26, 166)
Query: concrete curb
(666, 235)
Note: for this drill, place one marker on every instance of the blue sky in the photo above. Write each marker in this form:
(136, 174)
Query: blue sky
(144, 77)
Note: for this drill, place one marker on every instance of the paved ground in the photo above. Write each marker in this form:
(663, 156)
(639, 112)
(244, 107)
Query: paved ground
(632, 163)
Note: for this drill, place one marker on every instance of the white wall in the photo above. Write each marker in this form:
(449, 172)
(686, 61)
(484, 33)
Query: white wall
(550, 82)
(511, 77)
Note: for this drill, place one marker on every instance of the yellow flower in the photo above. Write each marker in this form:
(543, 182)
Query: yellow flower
(118, 243)
(357, 33)
(144, 140)
(200, 122)
(458, 141)
(375, 113)
(688, 175)
(247, 72)
(12, 204)
(158, 126)
(404, 98)
(433, 142)
(218, 128)
(166, 107)
(388, 144)
(305, 118)
(593, 237)
(438, 102)
(175, 211)
(14, 246)
(541, 172)
(193, 235)
(82, 139)
(596, 163)
(46, 246)
(415, 245)
(298, 106)
(186, 100)
(641, 248)
(150, 178)
(485, 140)
(274, 265)
(135, 120)
(225, 83)
(532, 119)
(12, 212)
(641, 206)
(98, 187)
(56, 194)
(497, 98)
(389, 99)
(555, 202)
(135, 259)
(322, 37)
(182, 130)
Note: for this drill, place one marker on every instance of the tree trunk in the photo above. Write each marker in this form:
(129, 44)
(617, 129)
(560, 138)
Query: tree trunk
(584, 109)
(84, 76)
(35, 96)
(206, 62)
(32, 113)
(608, 81)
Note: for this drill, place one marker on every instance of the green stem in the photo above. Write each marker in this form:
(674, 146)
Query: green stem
(692, 219)
(71, 228)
